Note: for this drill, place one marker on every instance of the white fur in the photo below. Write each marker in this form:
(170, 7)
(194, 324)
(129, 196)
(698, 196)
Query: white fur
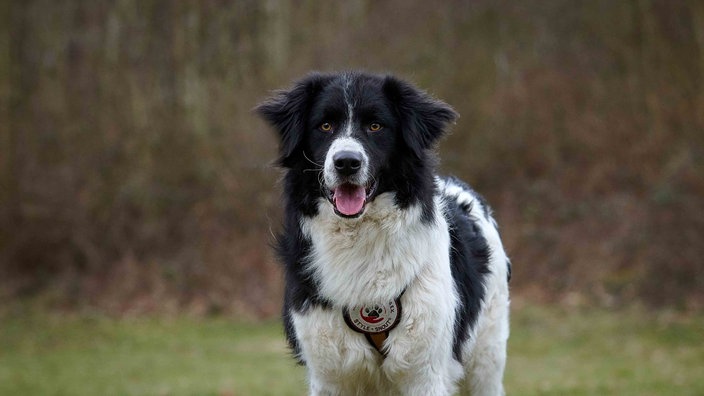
(374, 258)
(350, 113)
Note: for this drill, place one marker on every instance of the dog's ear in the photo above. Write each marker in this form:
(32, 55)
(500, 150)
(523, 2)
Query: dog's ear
(287, 111)
(423, 119)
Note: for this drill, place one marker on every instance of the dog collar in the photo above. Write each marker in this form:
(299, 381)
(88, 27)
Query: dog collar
(375, 321)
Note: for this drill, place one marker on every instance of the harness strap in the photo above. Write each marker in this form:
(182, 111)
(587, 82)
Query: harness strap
(377, 340)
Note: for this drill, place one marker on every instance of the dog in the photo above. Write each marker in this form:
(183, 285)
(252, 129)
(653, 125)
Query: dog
(396, 280)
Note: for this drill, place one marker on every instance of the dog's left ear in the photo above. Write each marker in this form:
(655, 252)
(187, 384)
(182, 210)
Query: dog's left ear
(423, 118)
(287, 112)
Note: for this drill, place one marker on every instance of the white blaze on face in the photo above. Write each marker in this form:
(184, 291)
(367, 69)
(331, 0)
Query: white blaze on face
(350, 112)
(349, 193)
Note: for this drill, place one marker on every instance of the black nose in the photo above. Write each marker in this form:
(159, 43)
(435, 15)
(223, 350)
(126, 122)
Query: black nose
(347, 163)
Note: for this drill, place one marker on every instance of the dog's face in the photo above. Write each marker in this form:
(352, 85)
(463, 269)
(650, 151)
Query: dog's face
(356, 135)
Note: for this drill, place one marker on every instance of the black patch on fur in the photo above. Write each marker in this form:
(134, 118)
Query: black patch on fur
(469, 262)
(508, 273)
(486, 211)
(301, 291)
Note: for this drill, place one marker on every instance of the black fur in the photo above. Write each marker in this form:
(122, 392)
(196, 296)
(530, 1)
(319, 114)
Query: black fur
(469, 258)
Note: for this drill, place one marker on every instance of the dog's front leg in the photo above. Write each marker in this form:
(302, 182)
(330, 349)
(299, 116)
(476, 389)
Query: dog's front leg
(321, 388)
(420, 359)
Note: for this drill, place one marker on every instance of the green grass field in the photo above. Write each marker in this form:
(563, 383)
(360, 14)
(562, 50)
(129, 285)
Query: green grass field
(593, 352)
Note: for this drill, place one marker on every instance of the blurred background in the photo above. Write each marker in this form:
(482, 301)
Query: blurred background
(138, 200)
(135, 177)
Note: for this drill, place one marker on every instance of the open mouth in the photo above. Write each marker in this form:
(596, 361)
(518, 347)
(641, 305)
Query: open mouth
(349, 199)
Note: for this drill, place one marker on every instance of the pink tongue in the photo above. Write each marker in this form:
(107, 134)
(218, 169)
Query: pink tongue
(349, 199)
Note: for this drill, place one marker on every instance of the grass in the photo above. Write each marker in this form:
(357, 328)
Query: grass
(605, 353)
(78, 355)
(593, 352)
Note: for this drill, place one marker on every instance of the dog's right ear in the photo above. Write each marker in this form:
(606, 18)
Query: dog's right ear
(287, 111)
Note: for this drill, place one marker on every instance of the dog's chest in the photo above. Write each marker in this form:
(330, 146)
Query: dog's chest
(329, 345)
(376, 258)
(345, 357)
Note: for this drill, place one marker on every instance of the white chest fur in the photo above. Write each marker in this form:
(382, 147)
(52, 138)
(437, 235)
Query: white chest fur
(375, 257)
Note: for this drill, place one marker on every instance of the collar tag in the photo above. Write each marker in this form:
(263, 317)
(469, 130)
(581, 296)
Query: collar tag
(373, 318)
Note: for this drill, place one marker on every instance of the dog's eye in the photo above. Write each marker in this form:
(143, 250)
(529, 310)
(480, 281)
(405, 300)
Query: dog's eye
(375, 127)
(325, 127)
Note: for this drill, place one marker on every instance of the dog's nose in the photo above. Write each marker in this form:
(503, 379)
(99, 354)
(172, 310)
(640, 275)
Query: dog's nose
(347, 162)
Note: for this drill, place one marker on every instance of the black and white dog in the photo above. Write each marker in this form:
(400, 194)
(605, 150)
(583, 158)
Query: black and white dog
(396, 279)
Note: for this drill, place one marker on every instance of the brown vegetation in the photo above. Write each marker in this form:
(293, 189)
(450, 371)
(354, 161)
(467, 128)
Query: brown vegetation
(135, 178)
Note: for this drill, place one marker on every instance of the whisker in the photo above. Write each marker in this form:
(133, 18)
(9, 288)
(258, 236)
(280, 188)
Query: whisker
(311, 161)
(321, 181)
(373, 179)
(318, 168)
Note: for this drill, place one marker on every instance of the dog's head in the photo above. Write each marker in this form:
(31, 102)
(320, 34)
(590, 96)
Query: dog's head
(356, 135)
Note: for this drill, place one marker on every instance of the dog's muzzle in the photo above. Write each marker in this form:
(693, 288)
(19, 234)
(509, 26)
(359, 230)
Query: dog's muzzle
(349, 186)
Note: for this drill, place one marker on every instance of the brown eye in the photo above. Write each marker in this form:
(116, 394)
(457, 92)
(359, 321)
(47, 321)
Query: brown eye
(375, 127)
(326, 127)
